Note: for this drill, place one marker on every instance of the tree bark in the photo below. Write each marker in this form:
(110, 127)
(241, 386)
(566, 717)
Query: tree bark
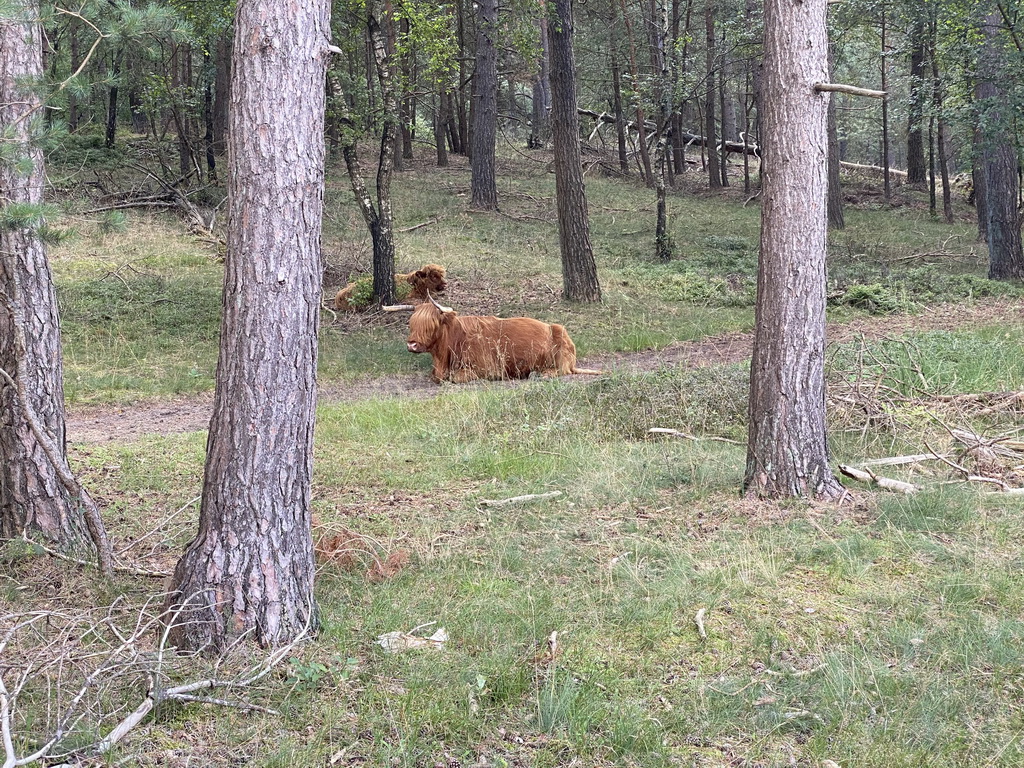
(999, 159)
(484, 187)
(916, 168)
(714, 170)
(787, 451)
(620, 120)
(579, 270)
(249, 571)
(36, 497)
(540, 129)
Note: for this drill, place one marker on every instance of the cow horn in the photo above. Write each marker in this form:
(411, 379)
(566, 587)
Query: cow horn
(439, 306)
(398, 307)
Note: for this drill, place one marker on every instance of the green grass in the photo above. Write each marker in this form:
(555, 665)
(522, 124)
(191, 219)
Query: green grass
(884, 632)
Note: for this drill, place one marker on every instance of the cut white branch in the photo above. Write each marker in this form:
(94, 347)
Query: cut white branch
(687, 436)
(853, 90)
(699, 621)
(887, 483)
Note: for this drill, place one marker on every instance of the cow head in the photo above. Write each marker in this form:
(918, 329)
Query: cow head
(429, 279)
(426, 324)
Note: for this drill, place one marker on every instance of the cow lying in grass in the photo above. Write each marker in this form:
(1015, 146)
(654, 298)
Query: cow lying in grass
(411, 286)
(465, 348)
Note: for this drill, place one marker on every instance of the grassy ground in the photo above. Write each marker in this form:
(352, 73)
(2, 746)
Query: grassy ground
(885, 631)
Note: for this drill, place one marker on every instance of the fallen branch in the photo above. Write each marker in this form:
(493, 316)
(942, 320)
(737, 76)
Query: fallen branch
(896, 460)
(687, 436)
(414, 227)
(519, 499)
(887, 483)
(853, 90)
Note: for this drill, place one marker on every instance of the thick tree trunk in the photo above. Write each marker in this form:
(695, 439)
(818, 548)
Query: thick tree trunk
(999, 159)
(579, 270)
(36, 497)
(484, 187)
(249, 571)
(787, 451)
(916, 168)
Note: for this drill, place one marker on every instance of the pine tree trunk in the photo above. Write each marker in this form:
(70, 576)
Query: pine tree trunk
(440, 121)
(249, 571)
(35, 498)
(112, 92)
(916, 168)
(579, 270)
(620, 120)
(711, 139)
(999, 159)
(485, 108)
(787, 452)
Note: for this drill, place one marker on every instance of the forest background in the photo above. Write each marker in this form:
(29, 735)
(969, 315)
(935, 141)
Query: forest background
(585, 628)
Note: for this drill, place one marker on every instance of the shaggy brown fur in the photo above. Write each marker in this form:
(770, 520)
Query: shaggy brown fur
(429, 278)
(471, 347)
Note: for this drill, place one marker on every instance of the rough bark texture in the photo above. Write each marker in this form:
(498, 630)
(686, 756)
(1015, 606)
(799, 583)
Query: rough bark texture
(916, 168)
(787, 453)
(579, 270)
(999, 161)
(222, 92)
(249, 570)
(33, 498)
(714, 169)
(485, 108)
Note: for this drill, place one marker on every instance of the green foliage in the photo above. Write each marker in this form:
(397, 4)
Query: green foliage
(875, 298)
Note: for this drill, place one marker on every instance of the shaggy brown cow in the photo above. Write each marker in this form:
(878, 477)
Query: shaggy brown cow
(430, 278)
(470, 347)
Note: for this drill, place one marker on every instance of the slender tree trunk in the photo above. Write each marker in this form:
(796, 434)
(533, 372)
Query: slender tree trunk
(710, 137)
(540, 128)
(440, 121)
(483, 185)
(112, 101)
(787, 450)
(947, 201)
(620, 119)
(222, 92)
(836, 220)
(645, 156)
(76, 61)
(38, 494)
(887, 182)
(579, 270)
(249, 571)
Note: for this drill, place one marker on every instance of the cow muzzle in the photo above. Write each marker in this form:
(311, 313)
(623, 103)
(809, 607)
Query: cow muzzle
(414, 347)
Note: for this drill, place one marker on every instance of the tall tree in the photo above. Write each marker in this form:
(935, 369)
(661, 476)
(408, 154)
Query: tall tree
(540, 124)
(714, 168)
(999, 157)
(579, 270)
(787, 450)
(485, 108)
(916, 168)
(380, 217)
(249, 571)
(39, 495)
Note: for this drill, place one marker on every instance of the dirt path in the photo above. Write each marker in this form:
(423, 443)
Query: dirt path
(94, 424)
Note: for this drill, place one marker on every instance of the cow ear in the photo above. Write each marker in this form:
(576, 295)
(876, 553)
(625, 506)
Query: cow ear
(419, 273)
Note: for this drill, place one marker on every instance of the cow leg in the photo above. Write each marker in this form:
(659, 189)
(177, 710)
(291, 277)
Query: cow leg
(463, 375)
